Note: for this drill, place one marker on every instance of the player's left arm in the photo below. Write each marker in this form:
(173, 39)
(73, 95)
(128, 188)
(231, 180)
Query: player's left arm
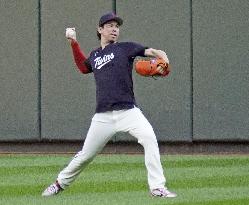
(151, 52)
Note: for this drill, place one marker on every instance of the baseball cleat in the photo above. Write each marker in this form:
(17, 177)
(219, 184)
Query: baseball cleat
(53, 189)
(163, 192)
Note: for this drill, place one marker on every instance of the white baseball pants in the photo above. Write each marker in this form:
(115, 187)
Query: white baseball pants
(103, 127)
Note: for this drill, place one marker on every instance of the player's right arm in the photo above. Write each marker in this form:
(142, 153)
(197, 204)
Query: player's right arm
(79, 57)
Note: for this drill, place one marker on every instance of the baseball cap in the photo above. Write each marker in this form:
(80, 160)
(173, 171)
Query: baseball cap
(110, 17)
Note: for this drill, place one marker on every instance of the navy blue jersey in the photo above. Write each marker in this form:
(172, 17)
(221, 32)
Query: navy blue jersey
(112, 68)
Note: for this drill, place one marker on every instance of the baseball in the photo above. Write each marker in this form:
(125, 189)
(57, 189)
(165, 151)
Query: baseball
(70, 33)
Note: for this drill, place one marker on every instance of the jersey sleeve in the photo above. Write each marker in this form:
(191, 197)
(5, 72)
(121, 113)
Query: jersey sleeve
(134, 49)
(80, 59)
(88, 64)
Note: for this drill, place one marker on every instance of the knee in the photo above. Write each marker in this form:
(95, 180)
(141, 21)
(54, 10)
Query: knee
(148, 139)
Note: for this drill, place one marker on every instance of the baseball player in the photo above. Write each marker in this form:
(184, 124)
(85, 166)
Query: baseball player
(116, 108)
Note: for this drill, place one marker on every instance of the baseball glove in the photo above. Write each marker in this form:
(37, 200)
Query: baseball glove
(153, 67)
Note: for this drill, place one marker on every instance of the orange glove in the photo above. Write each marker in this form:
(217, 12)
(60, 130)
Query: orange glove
(152, 67)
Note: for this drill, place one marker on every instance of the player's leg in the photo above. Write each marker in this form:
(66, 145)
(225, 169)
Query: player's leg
(137, 125)
(98, 135)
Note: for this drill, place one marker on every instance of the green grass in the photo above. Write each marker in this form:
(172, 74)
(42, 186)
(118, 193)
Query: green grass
(121, 179)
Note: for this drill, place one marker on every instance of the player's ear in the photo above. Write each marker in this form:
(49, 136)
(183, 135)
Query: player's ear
(100, 29)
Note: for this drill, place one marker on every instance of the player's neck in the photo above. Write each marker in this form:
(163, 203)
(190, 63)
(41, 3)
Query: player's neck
(105, 43)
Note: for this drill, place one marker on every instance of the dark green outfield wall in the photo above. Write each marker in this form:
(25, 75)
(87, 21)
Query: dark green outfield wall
(43, 96)
(221, 69)
(19, 70)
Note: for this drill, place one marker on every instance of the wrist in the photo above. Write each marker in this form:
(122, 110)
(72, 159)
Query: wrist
(72, 41)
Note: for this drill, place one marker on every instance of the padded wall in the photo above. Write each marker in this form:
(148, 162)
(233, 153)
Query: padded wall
(221, 75)
(204, 98)
(165, 25)
(19, 70)
(68, 97)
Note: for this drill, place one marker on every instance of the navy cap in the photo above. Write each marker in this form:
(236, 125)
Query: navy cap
(110, 17)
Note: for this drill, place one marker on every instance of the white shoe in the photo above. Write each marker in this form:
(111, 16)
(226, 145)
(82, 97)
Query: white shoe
(163, 192)
(53, 189)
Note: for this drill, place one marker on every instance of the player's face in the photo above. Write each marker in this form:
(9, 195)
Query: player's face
(109, 32)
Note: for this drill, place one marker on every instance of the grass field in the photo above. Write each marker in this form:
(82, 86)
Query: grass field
(121, 179)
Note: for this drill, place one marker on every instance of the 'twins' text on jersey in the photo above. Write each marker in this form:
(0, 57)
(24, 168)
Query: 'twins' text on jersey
(101, 61)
